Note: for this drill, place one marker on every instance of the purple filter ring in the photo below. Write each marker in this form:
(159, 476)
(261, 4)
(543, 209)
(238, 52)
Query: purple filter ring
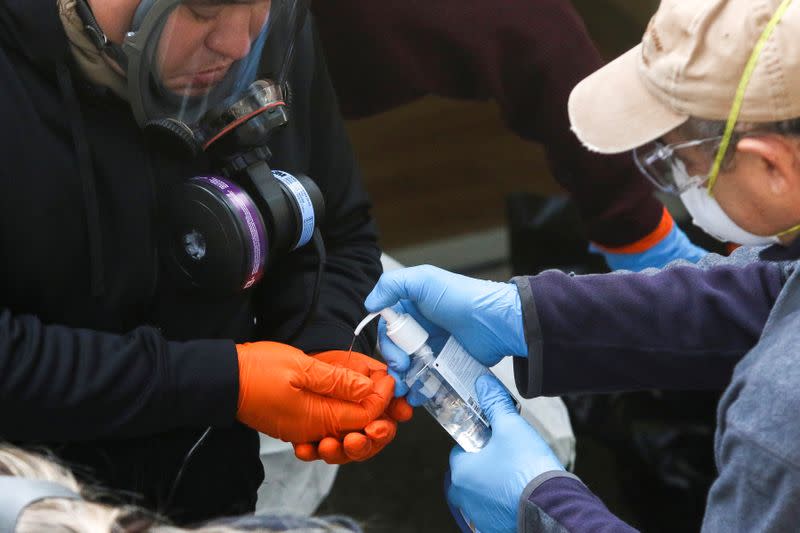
(251, 224)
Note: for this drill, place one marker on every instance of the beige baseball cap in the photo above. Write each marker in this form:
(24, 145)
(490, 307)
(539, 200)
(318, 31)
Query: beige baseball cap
(690, 63)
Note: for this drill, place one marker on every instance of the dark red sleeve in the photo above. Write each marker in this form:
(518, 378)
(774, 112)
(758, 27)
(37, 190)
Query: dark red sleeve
(527, 56)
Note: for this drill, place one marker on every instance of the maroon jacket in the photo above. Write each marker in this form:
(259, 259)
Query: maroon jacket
(526, 55)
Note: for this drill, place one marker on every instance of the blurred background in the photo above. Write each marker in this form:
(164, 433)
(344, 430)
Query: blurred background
(440, 173)
(439, 169)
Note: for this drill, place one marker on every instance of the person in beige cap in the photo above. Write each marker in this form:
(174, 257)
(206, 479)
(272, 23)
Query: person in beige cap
(671, 98)
(710, 105)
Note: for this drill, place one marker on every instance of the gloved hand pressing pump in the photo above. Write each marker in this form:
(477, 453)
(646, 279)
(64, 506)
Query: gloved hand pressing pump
(487, 485)
(485, 316)
(357, 445)
(294, 397)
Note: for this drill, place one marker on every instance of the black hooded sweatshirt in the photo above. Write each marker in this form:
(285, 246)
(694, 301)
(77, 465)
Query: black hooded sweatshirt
(103, 359)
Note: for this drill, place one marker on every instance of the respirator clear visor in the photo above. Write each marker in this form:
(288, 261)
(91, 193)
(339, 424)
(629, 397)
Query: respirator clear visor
(187, 58)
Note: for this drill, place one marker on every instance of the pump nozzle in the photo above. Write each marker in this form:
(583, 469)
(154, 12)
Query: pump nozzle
(389, 315)
(401, 328)
(363, 323)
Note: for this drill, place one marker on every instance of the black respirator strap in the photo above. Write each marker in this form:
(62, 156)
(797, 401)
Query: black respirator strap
(19, 492)
(297, 24)
(279, 51)
(98, 36)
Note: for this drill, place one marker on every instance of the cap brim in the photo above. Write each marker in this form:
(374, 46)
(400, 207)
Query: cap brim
(612, 111)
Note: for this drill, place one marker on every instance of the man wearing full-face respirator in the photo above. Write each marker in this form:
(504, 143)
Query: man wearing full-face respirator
(158, 216)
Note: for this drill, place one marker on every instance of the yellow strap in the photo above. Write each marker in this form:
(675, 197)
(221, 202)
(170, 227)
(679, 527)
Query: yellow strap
(788, 231)
(739, 99)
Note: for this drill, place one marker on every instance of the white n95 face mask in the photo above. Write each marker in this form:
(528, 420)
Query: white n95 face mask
(708, 215)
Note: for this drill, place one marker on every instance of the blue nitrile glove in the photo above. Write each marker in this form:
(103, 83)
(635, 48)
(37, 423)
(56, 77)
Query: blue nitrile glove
(485, 316)
(676, 245)
(488, 484)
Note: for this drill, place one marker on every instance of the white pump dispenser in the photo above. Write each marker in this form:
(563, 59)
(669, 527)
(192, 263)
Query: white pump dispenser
(448, 402)
(404, 331)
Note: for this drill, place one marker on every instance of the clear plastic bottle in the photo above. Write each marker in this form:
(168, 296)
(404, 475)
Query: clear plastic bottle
(458, 413)
(445, 404)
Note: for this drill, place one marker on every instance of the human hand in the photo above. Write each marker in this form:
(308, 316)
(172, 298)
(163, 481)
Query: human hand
(297, 398)
(487, 485)
(357, 446)
(484, 316)
(675, 245)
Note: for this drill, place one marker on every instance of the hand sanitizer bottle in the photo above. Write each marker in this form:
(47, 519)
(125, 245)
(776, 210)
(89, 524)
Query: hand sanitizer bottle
(446, 380)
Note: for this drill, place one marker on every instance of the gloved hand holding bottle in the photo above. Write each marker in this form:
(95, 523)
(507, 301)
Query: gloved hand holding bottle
(357, 445)
(298, 398)
(486, 486)
(484, 316)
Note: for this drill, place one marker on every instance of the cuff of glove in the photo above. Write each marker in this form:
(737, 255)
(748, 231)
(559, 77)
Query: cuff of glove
(665, 244)
(528, 371)
(665, 226)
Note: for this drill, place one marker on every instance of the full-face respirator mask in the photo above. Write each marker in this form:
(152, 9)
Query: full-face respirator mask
(192, 69)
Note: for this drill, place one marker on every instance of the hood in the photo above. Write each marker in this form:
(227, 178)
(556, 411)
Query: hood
(34, 29)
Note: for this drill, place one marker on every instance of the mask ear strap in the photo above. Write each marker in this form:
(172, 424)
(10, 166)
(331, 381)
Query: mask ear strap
(738, 100)
(19, 492)
(788, 231)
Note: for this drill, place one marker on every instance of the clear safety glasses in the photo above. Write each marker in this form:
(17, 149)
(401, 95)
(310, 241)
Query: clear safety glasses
(662, 164)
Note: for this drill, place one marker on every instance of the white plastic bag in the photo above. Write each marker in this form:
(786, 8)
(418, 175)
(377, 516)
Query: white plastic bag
(291, 486)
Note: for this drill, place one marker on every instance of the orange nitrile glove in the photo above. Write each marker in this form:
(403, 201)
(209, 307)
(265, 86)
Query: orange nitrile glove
(298, 398)
(357, 446)
(356, 361)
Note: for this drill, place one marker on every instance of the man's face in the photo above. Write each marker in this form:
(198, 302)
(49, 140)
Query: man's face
(201, 40)
(746, 189)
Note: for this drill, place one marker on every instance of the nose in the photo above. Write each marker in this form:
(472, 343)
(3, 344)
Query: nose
(231, 37)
